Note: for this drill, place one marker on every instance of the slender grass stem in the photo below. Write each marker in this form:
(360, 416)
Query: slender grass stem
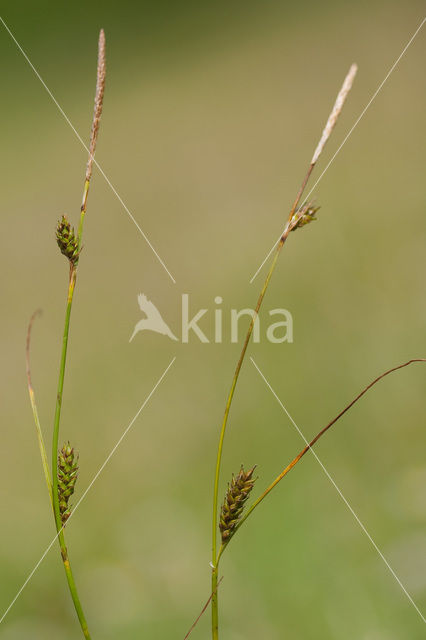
(83, 211)
(58, 521)
(242, 356)
(231, 395)
(215, 610)
(291, 224)
(72, 586)
(55, 439)
(215, 559)
(194, 624)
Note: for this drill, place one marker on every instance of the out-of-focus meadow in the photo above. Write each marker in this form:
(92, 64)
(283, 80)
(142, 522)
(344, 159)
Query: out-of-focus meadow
(212, 112)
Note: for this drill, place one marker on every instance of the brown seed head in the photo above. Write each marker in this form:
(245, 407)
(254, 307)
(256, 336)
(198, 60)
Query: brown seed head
(232, 508)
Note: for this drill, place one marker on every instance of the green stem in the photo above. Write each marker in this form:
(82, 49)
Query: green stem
(56, 510)
(288, 228)
(71, 287)
(231, 395)
(83, 211)
(215, 584)
(223, 430)
(215, 617)
(72, 587)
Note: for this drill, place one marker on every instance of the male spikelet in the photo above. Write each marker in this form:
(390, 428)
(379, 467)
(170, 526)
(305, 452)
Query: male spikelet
(67, 477)
(233, 505)
(67, 240)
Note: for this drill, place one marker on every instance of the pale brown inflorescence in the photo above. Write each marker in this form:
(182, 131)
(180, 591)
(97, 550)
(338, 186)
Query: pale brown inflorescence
(335, 112)
(99, 97)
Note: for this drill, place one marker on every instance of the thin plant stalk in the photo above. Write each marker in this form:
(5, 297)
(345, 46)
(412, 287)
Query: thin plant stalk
(291, 224)
(58, 520)
(200, 615)
(71, 288)
(214, 563)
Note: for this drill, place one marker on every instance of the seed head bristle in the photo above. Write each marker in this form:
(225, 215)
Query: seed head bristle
(233, 505)
(67, 477)
(99, 97)
(67, 240)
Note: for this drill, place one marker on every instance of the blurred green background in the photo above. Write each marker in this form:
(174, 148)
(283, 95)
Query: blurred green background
(212, 112)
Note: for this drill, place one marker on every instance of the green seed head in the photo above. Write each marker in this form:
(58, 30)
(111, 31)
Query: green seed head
(304, 215)
(67, 477)
(233, 505)
(67, 241)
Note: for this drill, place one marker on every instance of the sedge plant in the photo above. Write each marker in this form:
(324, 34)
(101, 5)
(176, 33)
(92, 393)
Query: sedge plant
(228, 520)
(298, 217)
(61, 475)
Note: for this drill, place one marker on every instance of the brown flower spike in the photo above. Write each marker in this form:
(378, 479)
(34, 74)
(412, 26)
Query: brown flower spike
(67, 477)
(232, 508)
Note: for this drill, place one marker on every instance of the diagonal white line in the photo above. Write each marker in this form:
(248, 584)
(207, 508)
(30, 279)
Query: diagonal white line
(107, 180)
(95, 477)
(339, 492)
(349, 132)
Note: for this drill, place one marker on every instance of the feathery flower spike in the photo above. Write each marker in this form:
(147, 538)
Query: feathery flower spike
(335, 112)
(99, 98)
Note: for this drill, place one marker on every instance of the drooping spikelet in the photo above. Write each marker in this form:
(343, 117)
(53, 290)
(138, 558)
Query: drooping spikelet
(67, 240)
(233, 505)
(67, 477)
